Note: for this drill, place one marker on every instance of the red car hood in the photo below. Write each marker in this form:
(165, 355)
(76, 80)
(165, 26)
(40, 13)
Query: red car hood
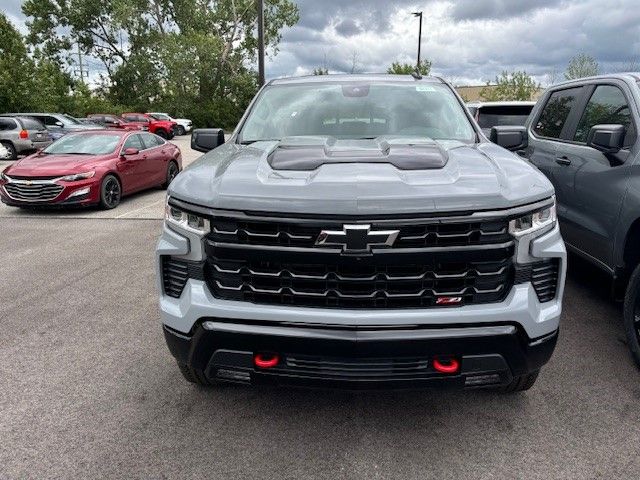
(54, 165)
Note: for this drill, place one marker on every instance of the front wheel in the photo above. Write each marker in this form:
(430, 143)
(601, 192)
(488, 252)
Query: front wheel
(521, 383)
(180, 130)
(110, 192)
(12, 154)
(172, 172)
(162, 133)
(632, 314)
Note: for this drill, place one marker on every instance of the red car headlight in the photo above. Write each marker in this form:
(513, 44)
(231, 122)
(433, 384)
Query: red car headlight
(78, 176)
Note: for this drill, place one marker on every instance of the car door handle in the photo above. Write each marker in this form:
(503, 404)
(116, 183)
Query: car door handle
(563, 160)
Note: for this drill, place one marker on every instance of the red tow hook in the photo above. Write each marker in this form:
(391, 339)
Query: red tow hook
(448, 365)
(266, 360)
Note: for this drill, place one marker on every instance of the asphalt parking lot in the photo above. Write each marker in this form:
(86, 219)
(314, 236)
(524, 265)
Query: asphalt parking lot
(89, 390)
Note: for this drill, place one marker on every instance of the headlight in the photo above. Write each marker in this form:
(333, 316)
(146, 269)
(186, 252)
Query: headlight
(534, 221)
(78, 176)
(186, 221)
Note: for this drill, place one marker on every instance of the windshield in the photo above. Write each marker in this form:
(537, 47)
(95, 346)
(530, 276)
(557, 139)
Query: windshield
(84, 144)
(71, 119)
(350, 110)
(159, 116)
(495, 116)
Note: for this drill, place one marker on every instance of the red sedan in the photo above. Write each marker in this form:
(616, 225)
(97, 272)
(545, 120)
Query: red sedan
(91, 168)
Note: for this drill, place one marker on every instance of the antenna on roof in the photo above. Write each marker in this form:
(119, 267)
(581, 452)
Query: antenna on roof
(416, 74)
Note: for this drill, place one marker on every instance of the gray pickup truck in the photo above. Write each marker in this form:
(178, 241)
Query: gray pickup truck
(360, 231)
(583, 135)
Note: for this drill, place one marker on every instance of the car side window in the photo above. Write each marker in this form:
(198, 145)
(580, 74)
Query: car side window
(555, 112)
(151, 140)
(607, 105)
(7, 124)
(133, 141)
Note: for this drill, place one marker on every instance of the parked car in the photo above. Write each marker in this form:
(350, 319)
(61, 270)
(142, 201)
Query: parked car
(88, 121)
(359, 231)
(58, 124)
(184, 125)
(113, 121)
(164, 128)
(22, 135)
(91, 168)
(583, 136)
(492, 114)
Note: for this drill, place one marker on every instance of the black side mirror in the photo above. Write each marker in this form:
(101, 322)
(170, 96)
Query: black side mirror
(606, 138)
(510, 137)
(206, 139)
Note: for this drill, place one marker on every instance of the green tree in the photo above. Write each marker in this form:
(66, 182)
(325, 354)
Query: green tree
(16, 69)
(580, 66)
(193, 56)
(510, 86)
(408, 68)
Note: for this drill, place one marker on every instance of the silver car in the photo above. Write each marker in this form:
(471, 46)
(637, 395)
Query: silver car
(22, 135)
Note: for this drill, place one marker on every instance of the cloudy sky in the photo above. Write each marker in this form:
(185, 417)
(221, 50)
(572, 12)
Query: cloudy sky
(468, 41)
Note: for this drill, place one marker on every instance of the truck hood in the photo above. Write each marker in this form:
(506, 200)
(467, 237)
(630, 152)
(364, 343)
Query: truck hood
(474, 177)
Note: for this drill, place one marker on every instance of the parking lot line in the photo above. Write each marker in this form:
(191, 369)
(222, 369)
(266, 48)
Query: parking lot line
(141, 208)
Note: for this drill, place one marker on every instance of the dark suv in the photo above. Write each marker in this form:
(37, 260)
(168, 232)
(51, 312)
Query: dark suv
(583, 135)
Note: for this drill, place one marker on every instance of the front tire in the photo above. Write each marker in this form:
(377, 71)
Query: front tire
(110, 192)
(172, 172)
(521, 383)
(193, 375)
(162, 133)
(180, 130)
(13, 154)
(632, 314)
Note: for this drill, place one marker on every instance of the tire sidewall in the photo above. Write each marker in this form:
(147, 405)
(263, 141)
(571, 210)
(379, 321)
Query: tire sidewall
(168, 181)
(162, 134)
(181, 130)
(630, 300)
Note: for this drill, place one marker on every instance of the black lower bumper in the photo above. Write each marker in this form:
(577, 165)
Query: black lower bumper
(488, 355)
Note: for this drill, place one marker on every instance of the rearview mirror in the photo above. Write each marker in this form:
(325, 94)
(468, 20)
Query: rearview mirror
(131, 151)
(606, 138)
(511, 137)
(206, 139)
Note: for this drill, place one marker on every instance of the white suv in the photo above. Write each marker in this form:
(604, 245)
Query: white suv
(184, 124)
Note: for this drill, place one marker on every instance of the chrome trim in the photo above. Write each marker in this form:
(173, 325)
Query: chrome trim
(373, 294)
(358, 279)
(32, 182)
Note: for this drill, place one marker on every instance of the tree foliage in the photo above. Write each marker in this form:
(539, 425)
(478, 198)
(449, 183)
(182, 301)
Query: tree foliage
(190, 57)
(580, 66)
(510, 86)
(408, 68)
(321, 71)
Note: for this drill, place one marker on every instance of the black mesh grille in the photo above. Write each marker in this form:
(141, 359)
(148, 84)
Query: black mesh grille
(358, 367)
(175, 274)
(360, 284)
(228, 230)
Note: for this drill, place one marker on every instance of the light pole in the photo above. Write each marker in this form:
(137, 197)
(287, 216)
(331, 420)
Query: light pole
(419, 14)
(260, 4)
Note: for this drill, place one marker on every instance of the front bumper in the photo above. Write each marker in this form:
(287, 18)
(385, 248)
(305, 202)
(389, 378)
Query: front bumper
(489, 355)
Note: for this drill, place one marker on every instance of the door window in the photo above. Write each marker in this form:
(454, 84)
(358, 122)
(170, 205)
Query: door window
(133, 142)
(151, 140)
(555, 113)
(607, 105)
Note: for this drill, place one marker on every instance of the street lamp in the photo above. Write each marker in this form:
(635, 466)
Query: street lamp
(419, 14)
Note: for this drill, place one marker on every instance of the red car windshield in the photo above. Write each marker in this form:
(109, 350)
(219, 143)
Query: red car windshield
(84, 144)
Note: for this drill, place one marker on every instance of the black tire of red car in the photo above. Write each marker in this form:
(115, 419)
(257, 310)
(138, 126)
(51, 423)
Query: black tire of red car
(180, 130)
(194, 375)
(110, 192)
(521, 383)
(162, 133)
(632, 314)
(13, 155)
(172, 171)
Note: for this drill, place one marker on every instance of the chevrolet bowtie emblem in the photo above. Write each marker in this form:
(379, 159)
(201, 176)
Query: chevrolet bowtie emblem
(28, 182)
(357, 238)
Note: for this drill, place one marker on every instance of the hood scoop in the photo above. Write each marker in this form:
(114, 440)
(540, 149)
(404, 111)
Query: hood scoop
(309, 153)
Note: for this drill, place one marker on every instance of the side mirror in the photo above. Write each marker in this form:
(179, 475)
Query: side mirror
(206, 139)
(606, 138)
(130, 151)
(510, 137)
